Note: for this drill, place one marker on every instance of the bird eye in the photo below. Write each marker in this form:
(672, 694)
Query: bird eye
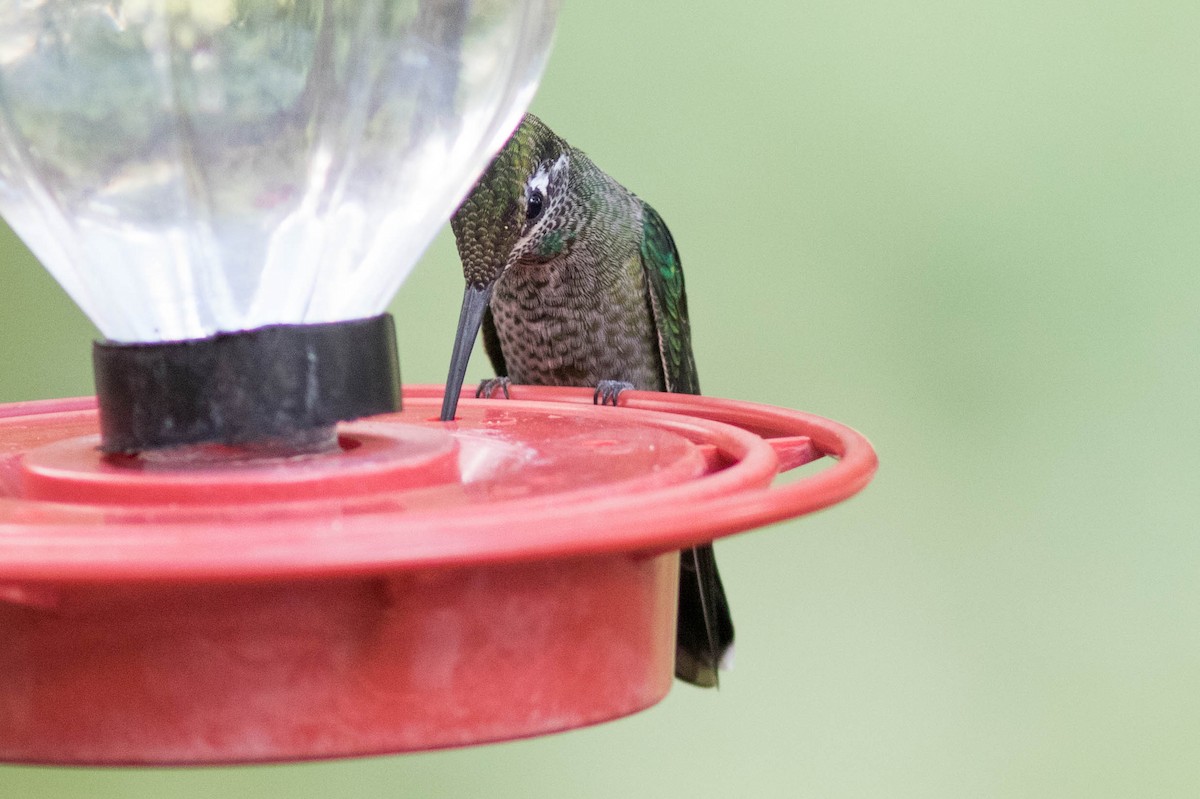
(533, 206)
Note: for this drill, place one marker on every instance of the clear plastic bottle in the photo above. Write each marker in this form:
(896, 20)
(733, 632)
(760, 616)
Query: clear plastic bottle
(185, 168)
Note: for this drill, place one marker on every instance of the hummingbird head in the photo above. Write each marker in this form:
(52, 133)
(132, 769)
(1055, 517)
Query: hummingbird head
(513, 214)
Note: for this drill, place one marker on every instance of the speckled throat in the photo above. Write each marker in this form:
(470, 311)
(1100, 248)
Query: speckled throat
(585, 315)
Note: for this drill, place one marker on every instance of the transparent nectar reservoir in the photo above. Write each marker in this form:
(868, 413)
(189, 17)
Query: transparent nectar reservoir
(189, 168)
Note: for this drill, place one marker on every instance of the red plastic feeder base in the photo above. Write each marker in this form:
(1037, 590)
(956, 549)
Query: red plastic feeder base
(428, 585)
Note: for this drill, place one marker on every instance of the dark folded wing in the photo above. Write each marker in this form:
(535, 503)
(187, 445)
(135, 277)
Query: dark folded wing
(668, 301)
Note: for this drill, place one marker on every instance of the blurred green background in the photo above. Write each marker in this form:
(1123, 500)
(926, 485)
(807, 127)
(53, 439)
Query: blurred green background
(969, 230)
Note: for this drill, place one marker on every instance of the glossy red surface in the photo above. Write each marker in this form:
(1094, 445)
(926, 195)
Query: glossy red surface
(508, 574)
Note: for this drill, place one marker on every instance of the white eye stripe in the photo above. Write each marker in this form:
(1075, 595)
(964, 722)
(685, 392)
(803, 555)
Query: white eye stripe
(540, 181)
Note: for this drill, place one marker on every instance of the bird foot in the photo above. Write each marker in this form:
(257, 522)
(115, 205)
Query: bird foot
(608, 391)
(488, 388)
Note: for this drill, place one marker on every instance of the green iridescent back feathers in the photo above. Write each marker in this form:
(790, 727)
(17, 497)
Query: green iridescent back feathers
(664, 277)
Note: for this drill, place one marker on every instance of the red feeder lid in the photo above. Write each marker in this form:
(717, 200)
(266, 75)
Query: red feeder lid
(427, 585)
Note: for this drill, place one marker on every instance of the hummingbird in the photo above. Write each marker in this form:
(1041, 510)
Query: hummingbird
(575, 281)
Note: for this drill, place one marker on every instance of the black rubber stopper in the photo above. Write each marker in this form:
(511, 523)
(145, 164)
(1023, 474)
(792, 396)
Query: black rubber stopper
(274, 383)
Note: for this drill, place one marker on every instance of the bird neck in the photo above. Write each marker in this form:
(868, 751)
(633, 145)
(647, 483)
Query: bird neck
(604, 219)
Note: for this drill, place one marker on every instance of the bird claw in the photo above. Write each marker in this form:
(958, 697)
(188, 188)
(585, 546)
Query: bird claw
(608, 391)
(487, 388)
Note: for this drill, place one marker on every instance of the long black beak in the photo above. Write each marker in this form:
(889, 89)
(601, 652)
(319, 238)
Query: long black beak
(475, 302)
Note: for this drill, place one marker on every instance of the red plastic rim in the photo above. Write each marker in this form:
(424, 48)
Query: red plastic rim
(426, 585)
(742, 445)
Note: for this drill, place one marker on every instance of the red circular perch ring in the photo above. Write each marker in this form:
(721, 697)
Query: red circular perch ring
(508, 574)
